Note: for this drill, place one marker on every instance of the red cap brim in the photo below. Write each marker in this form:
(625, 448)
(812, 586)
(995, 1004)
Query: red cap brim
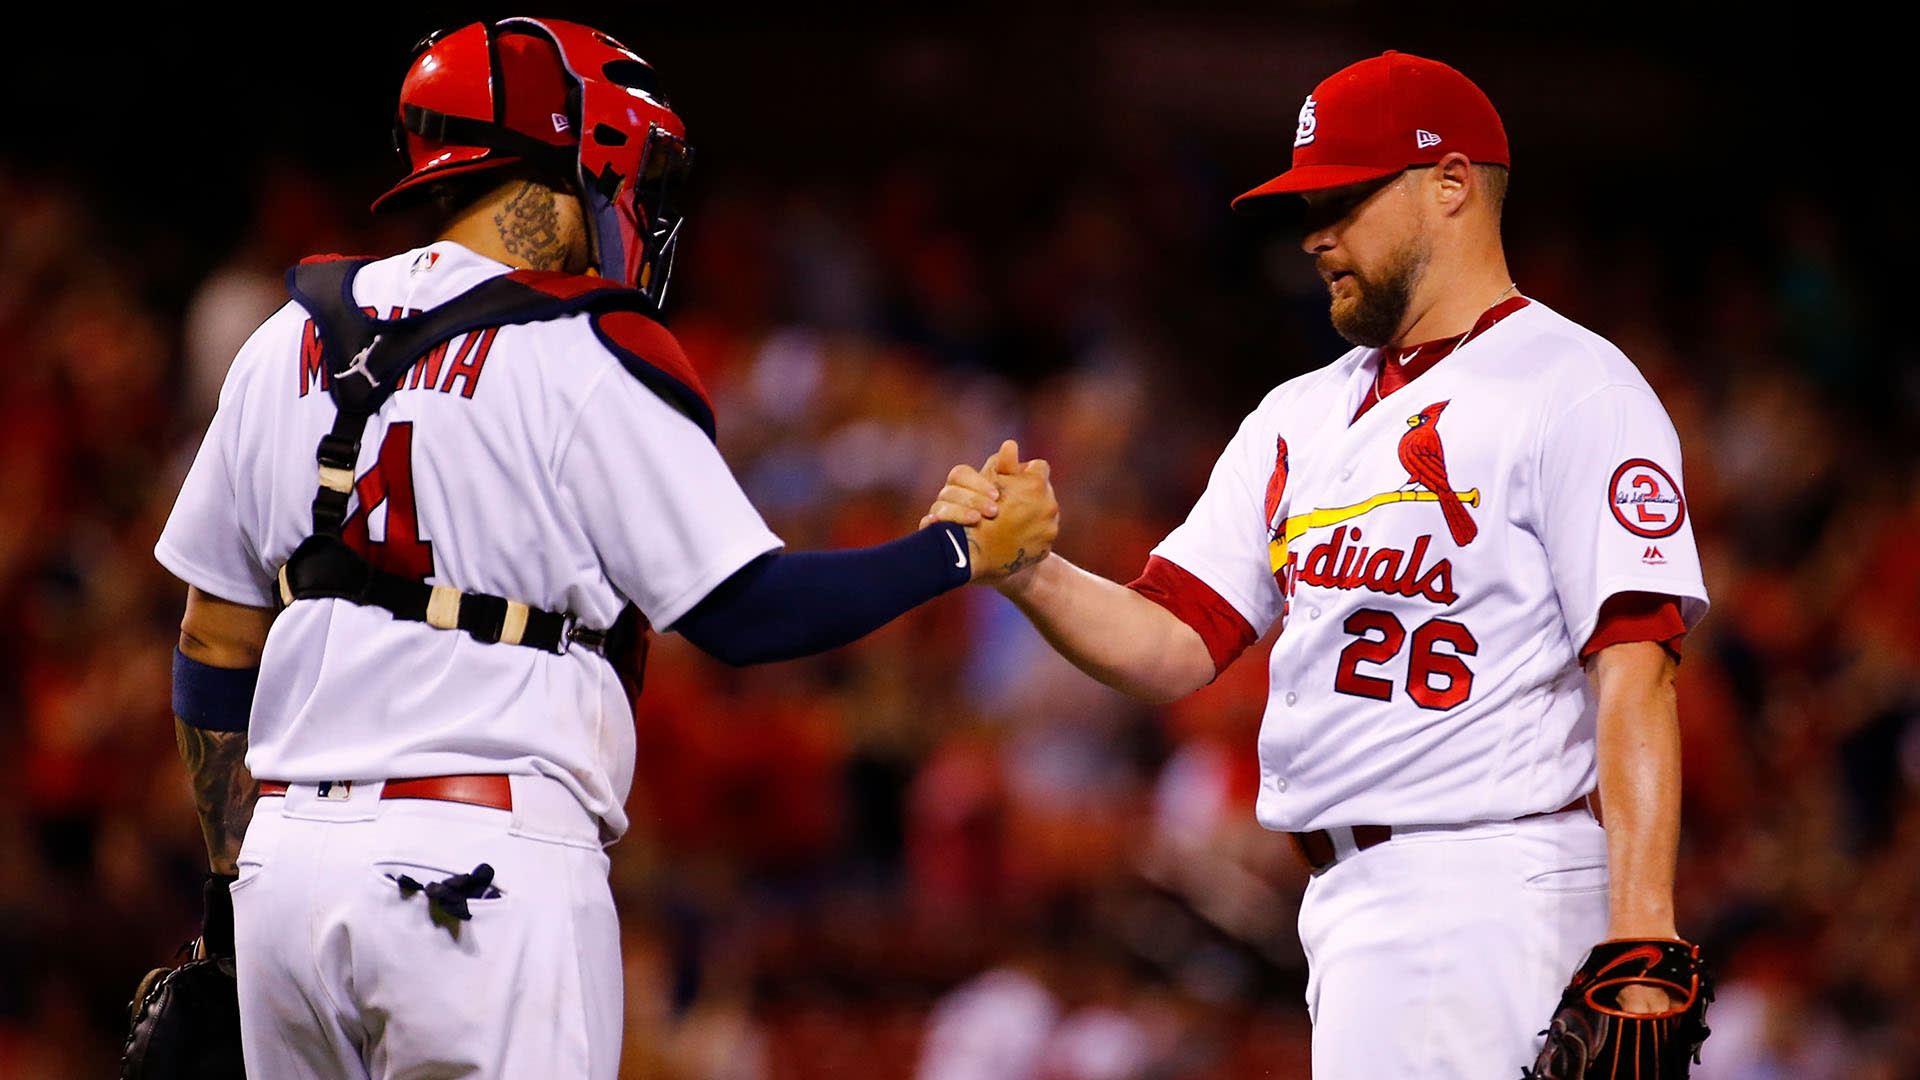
(402, 195)
(1313, 178)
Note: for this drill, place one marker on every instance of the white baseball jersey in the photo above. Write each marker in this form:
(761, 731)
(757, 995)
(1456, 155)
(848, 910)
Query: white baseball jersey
(1428, 669)
(521, 461)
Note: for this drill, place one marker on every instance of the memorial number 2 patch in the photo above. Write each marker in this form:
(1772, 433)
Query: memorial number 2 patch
(1645, 500)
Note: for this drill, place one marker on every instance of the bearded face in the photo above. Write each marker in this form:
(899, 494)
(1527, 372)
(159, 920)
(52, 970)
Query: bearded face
(1368, 305)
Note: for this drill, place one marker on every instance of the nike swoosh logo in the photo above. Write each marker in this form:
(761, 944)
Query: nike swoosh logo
(1647, 953)
(959, 557)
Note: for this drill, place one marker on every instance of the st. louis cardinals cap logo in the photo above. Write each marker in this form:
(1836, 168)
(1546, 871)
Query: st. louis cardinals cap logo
(1309, 123)
(1645, 500)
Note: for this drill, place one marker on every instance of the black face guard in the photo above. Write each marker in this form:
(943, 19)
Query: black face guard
(664, 165)
(636, 221)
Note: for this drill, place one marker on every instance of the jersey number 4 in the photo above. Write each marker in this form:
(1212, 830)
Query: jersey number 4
(390, 481)
(1424, 665)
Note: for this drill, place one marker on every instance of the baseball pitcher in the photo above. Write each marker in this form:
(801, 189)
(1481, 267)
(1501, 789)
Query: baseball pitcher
(1473, 530)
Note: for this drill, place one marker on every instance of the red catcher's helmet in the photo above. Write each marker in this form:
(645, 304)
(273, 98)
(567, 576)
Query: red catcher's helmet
(566, 99)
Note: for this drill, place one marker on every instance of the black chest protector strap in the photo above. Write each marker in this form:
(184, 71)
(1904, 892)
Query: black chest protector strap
(366, 358)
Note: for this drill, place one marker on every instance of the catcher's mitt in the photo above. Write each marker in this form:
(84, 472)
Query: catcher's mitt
(1591, 1037)
(186, 1020)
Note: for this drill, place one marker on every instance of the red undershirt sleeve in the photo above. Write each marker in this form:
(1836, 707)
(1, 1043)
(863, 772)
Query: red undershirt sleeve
(1225, 631)
(1637, 616)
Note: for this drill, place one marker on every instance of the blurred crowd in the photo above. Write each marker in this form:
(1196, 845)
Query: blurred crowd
(941, 853)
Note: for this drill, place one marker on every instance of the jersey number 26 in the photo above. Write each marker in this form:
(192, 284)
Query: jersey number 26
(1424, 663)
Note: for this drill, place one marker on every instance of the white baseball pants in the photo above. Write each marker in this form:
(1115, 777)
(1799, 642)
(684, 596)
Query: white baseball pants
(341, 976)
(1440, 953)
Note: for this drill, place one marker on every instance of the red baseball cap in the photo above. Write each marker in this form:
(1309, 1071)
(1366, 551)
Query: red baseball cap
(1382, 115)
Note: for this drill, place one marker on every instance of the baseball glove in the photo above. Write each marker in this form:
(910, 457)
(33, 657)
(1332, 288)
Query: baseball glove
(1591, 1037)
(186, 1020)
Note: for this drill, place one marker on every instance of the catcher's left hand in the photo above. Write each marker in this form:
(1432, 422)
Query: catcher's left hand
(1592, 1036)
(186, 1021)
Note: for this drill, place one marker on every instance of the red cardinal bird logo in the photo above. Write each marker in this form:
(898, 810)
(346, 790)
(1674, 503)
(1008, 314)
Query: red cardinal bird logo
(1426, 463)
(1277, 483)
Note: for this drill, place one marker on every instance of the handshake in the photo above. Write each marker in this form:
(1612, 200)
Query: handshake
(1008, 510)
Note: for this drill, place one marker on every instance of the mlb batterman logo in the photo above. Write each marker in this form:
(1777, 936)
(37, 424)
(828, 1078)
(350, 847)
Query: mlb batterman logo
(1303, 134)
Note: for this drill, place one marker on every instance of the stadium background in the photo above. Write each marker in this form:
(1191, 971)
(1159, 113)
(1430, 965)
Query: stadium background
(912, 234)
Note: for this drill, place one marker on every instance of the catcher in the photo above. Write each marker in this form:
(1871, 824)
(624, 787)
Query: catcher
(405, 682)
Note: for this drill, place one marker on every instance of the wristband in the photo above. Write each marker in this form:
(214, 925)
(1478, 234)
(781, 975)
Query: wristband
(211, 698)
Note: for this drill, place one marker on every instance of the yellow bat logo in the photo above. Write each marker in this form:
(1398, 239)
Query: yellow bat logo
(1297, 525)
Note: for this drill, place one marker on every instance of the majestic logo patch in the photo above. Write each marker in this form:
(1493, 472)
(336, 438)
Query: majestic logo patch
(1645, 500)
(1309, 123)
(423, 262)
(1653, 556)
(1423, 138)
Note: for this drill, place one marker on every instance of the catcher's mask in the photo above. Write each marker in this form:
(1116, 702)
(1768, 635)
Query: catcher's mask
(567, 100)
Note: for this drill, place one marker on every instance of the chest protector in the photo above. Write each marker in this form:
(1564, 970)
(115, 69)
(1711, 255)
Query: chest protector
(366, 357)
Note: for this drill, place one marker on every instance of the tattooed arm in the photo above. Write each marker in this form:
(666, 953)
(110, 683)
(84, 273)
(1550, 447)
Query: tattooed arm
(220, 634)
(223, 790)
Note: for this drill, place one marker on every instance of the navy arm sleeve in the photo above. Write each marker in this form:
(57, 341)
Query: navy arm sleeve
(789, 604)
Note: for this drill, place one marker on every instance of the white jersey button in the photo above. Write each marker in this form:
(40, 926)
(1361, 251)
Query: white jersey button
(1280, 784)
(1313, 613)
(1292, 697)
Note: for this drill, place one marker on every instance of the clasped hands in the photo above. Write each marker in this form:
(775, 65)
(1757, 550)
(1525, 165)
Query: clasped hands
(1008, 510)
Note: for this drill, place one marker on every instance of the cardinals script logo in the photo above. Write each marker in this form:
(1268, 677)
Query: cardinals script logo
(1342, 562)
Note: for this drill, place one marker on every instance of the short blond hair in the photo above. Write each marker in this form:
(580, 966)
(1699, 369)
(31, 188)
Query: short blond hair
(1494, 179)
